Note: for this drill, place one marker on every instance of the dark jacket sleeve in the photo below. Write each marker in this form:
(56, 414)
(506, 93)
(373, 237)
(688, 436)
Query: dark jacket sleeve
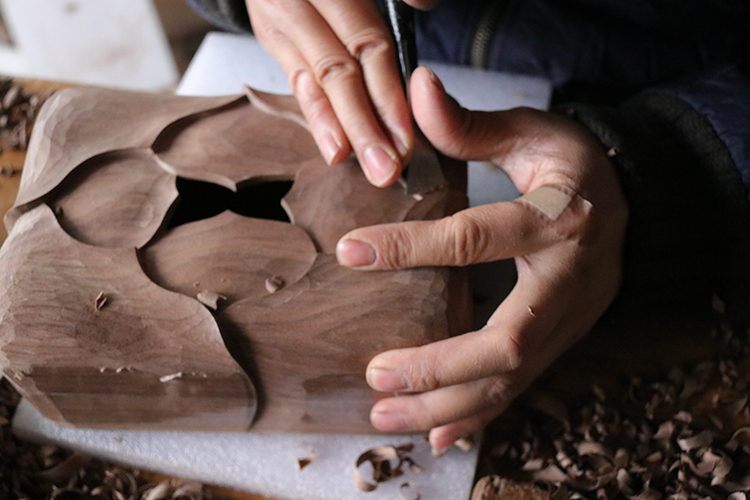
(229, 15)
(682, 155)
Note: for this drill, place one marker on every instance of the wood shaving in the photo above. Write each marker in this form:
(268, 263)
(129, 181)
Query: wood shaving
(7, 170)
(210, 299)
(407, 491)
(168, 378)
(495, 488)
(305, 461)
(17, 114)
(683, 435)
(275, 283)
(387, 463)
(99, 301)
(464, 444)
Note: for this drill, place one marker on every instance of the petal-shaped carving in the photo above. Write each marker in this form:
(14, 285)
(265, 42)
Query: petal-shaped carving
(229, 255)
(310, 343)
(235, 144)
(91, 341)
(116, 199)
(283, 106)
(76, 124)
(351, 202)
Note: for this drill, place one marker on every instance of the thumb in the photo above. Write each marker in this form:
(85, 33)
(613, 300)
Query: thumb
(463, 134)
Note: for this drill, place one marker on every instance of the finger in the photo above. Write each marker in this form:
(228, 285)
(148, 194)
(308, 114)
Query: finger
(479, 135)
(341, 77)
(472, 404)
(314, 104)
(437, 408)
(512, 335)
(441, 438)
(480, 234)
(364, 34)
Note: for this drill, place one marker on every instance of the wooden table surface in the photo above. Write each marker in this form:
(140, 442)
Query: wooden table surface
(642, 347)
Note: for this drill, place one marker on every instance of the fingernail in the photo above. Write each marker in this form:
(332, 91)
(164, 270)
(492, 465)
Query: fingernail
(403, 145)
(387, 380)
(380, 165)
(330, 147)
(435, 79)
(391, 421)
(439, 452)
(355, 253)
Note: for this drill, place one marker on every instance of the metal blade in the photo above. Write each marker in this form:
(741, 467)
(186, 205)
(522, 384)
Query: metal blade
(423, 173)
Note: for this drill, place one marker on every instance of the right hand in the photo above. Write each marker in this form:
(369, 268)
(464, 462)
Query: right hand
(340, 60)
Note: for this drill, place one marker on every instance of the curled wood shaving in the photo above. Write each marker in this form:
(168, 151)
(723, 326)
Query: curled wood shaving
(407, 491)
(682, 435)
(7, 170)
(158, 492)
(496, 488)
(275, 283)
(305, 461)
(464, 444)
(387, 463)
(210, 299)
(99, 301)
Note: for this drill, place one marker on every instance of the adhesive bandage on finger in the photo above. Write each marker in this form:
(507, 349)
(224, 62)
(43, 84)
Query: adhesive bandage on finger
(551, 200)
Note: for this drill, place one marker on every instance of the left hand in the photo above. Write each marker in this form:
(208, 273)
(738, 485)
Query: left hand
(566, 240)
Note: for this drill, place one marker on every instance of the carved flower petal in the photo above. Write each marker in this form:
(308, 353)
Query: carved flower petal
(143, 358)
(350, 202)
(235, 144)
(115, 200)
(76, 124)
(230, 255)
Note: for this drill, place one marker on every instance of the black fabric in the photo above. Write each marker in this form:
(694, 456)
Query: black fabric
(229, 15)
(689, 225)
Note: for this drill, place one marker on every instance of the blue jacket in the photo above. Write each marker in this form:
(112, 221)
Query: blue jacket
(663, 82)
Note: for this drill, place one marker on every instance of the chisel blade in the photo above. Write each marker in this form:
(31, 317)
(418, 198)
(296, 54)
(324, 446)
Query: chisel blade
(423, 173)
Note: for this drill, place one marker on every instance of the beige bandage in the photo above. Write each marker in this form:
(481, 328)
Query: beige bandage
(551, 200)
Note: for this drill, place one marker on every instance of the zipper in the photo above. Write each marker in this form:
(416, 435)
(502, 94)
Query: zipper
(486, 28)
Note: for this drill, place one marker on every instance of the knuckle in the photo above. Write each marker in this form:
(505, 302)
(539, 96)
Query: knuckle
(513, 350)
(336, 68)
(396, 250)
(500, 392)
(423, 374)
(370, 43)
(467, 237)
(424, 378)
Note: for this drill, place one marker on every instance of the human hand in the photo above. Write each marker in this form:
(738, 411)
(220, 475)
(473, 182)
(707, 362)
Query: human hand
(565, 235)
(340, 60)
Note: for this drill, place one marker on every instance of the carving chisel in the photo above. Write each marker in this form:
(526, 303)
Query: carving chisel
(423, 173)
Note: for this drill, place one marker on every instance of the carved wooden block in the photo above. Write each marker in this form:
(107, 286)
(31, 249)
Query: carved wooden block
(149, 282)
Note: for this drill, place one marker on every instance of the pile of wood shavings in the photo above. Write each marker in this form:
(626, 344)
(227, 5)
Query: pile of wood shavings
(34, 472)
(17, 113)
(684, 435)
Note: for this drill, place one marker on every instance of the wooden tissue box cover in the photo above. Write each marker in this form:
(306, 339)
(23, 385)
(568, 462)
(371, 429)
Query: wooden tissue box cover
(116, 313)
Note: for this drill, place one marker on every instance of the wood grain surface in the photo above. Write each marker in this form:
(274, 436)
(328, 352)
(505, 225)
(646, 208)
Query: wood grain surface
(8, 191)
(90, 328)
